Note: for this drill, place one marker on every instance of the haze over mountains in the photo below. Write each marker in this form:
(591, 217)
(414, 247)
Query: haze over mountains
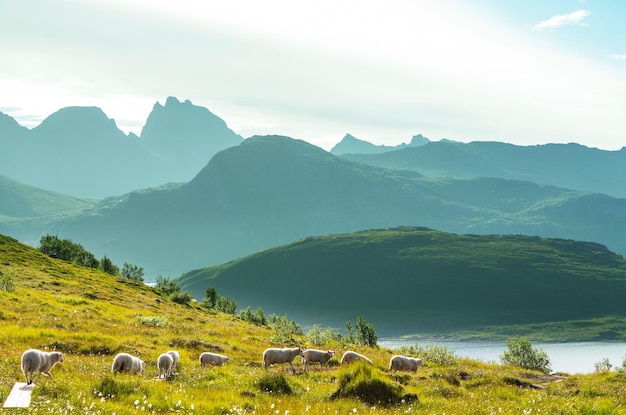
(79, 151)
(266, 191)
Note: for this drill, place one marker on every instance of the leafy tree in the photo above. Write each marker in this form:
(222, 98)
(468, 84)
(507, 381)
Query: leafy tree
(108, 266)
(226, 305)
(132, 272)
(210, 298)
(361, 332)
(284, 328)
(319, 337)
(366, 334)
(255, 317)
(67, 250)
(521, 353)
(166, 285)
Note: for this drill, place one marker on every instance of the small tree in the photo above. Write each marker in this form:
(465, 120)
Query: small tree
(284, 328)
(210, 298)
(132, 272)
(181, 297)
(226, 305)
(166, 285)
(361, 332)
(521, 353)
(255, 317)
(108, 266)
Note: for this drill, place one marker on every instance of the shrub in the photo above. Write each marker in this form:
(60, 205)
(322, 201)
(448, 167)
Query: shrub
(132, 272)
(255, 317)
(181, 297)
(226, 305)
(319, 337)
(440, 355)
(153, 321)
(67, 250)
(276, 384)
(363, 383)
(361, 332)
(166, 285)
(521, 353)
(6, 283)
(284, 329)
(603, 366)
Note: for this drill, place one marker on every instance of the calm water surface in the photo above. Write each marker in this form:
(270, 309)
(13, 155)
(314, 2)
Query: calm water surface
(570, 358)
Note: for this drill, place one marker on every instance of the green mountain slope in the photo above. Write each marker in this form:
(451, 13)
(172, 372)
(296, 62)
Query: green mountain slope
(272, 190)
(571, 166)
(411, 280)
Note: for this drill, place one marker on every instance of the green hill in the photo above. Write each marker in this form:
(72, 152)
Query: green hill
(90, 316)
(417, 280)
(272, 190)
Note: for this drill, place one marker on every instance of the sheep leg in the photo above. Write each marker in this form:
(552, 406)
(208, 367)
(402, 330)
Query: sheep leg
(293, 369)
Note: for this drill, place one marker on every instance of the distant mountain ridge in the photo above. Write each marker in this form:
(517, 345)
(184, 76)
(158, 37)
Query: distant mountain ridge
(271, 190)
(571, 166)
(80, 151)
(350, 144)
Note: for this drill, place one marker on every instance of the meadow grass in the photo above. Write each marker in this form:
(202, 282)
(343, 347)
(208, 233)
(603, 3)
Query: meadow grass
(90, 316)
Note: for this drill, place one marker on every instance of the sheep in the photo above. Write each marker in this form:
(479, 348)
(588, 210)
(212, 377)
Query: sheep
(277, 355)
(350, 356)
(34, 360)
(409, 364)
(165, 363)
(213, 359)
(176, 356)
(124, 362)
(313, 355)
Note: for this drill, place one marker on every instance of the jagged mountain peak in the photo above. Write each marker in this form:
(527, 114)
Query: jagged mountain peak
(184, 120)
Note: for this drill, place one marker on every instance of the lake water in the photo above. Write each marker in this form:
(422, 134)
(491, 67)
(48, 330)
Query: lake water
(579, 357)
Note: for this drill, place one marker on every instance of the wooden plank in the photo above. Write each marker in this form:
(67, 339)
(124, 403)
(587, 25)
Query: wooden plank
(19, 396)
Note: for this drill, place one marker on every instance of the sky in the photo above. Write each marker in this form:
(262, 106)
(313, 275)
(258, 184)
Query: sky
(524, 72)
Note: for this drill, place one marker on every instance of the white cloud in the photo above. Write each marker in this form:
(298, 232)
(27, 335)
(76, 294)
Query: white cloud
(618, 57)
(574, 18)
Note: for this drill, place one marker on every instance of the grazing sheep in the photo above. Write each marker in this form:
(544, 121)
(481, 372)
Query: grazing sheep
(350, 356)
(165, 363)
(176, 356)
(34, 360)
(213, 359)
(313, 355)
(409, 364)
(277, 355)
(124, 362)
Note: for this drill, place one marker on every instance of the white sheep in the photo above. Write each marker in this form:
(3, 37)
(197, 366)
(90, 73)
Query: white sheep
(277, 355)
(34, 360)
(124, 362)
(213, 359)
(176, 356)
(314, 355)
(165, 363)
(350, 356)
(405, 363)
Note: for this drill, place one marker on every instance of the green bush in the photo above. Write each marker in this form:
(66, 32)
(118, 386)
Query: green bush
(275, 384)
(255, 317)
(153, 321)
(6, 283)
(440, 355)
(521, 353)
(319, 337)
(181, 297)
(361, 332)
(284, 329)
(363, 383)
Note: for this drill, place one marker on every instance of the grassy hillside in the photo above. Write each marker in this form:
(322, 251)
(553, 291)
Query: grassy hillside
(90, 316)
(412, 280)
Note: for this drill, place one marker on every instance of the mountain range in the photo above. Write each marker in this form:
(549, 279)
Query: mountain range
(81, 152)
(241, 196)
(271, 190)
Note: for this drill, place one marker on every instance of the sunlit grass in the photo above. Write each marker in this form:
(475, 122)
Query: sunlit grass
(91, 316)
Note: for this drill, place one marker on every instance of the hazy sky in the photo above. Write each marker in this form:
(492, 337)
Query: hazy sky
(525, 72)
